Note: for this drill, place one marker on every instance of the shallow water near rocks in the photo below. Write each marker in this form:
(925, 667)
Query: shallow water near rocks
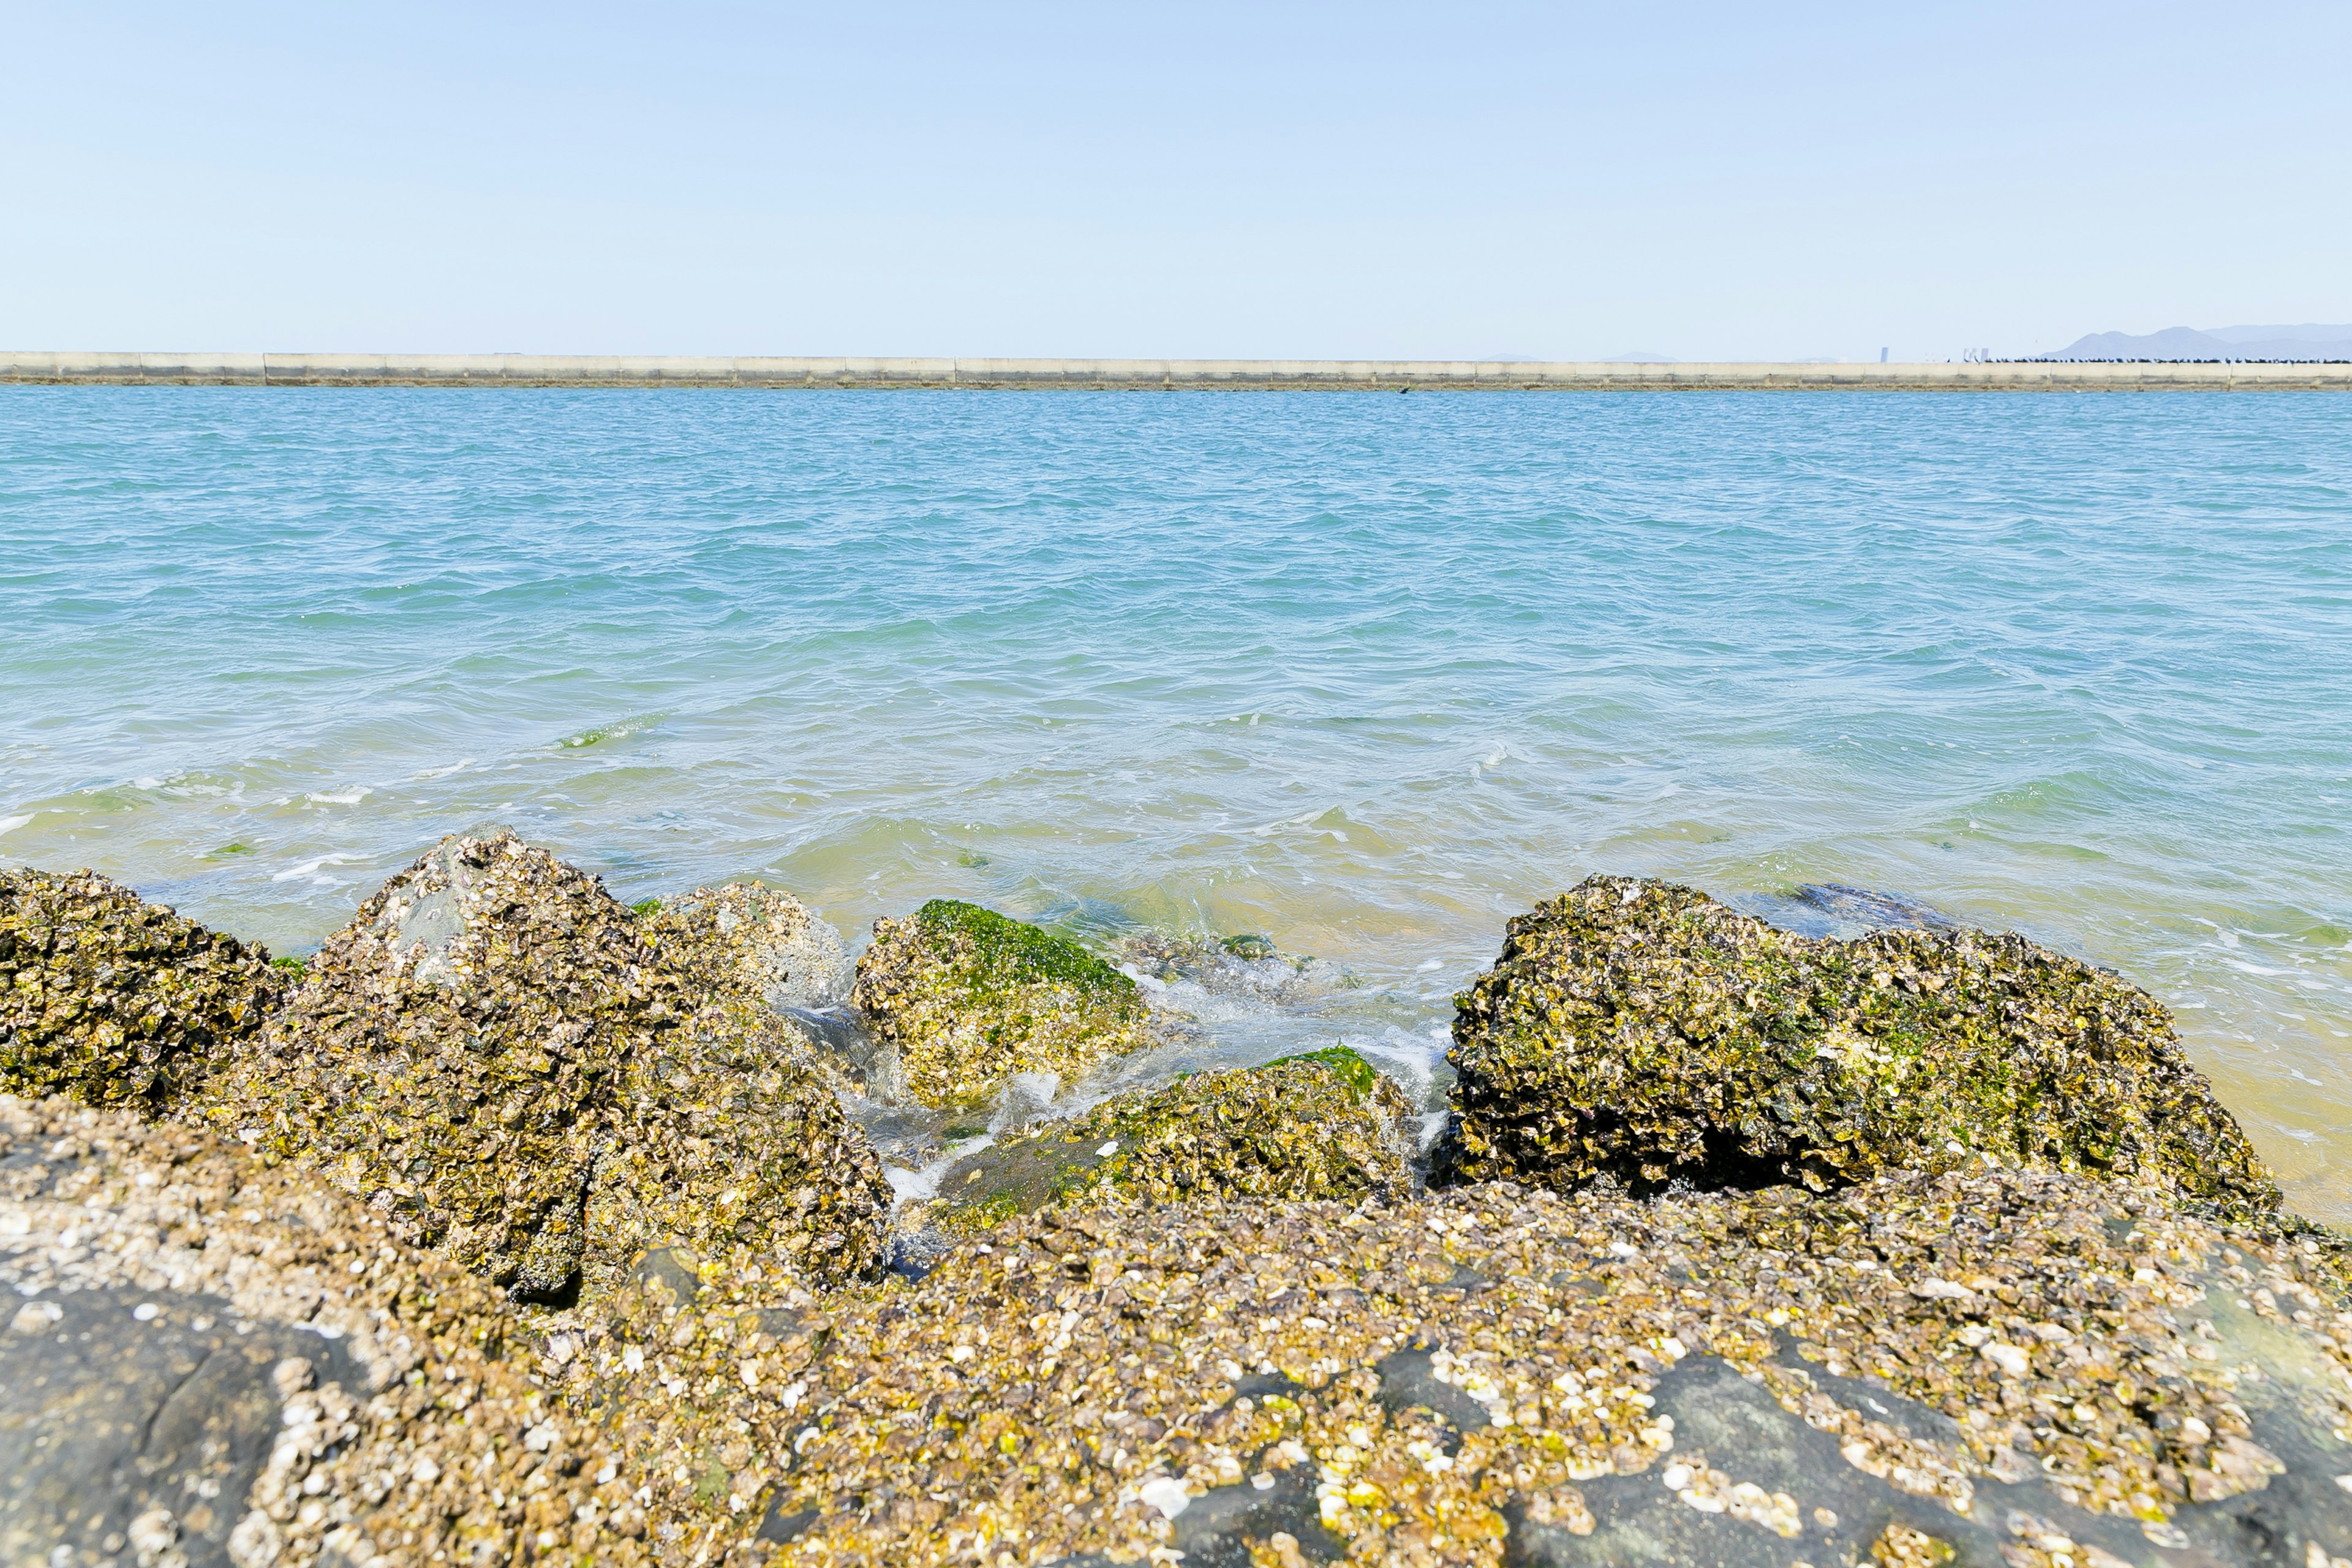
(1363, 675)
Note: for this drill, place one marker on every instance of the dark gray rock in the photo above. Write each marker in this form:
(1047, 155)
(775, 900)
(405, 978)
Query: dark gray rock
(132, 1425)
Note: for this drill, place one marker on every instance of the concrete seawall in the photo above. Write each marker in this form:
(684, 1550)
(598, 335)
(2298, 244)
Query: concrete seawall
(1371, 375)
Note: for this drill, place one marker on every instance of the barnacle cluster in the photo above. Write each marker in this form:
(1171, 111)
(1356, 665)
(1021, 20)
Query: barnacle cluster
(749, 942)
(1321, 1125)
(493, 1052)
(116, 1000)
(1415, 1382)
(1643, 1030)
(969, 997)
(434, 1443)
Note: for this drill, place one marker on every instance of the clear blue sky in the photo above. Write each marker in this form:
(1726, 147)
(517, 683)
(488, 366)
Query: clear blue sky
(1436, 181)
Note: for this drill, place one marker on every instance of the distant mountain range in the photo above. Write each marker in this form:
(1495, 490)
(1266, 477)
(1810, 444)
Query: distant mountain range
(2308, 341)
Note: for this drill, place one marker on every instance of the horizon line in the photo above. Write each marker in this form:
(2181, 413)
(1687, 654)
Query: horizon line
(68, 367)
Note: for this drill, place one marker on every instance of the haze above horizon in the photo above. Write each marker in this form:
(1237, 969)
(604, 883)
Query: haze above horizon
(1307, 182)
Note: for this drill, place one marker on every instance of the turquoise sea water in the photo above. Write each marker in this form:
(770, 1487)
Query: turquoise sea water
(1365, 673)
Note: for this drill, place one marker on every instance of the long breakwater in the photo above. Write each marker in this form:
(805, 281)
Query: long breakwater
(32, 367)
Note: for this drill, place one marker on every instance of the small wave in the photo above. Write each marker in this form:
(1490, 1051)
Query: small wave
(444, 773)
(311, 869)
(619, 730)
(10, 824)
(351, 796)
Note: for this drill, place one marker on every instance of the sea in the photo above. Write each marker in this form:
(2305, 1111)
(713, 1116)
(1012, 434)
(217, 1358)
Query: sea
(1362, 674)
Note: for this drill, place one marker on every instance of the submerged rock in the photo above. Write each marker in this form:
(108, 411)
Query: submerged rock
(115, 1000)
(493, 1053)
(1642, 1030)
(1246, 966)
(967, 997)
(1324, 1125)
(752, 942)
(1996, 1369)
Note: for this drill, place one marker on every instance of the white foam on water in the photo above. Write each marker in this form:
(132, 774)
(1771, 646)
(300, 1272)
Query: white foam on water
(10, 824)
(916, 1186)
(444, 773)
(311, 869)
(351, 796)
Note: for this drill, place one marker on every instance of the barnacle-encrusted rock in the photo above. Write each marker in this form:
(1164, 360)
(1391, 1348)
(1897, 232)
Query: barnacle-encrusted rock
(115, 1000)
(728, 1141)
(968, 998)
(1643, 1030)
(493, 1053)
(1323, 1125)
(2021, 1367)
(204, 1361)
(745, 941)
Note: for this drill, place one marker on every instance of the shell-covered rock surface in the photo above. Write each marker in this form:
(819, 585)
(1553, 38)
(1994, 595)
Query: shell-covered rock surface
(115, 1000)
(2000, 1368)
(967, 997)
(206, 1361)
(1323, 1125)
(1996, 1368)
(493, 1053)
(1643, 1031)
(745, 941)
(729, 1143)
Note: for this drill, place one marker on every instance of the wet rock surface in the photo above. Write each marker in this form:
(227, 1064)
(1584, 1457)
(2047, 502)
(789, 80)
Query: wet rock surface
(1325, 1125)
(1246, 966)
(1643, 1031)
(116, 1000)
(966, 998)
(493, 1053)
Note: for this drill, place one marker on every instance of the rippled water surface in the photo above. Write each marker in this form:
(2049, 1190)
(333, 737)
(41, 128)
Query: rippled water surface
(1366, 674)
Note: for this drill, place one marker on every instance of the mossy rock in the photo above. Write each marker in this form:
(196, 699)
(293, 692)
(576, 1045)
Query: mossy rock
(749, 942)
(1643, 1030)
(1322, 1125)
(968, 998)
(117, 1001)
(493, 1053)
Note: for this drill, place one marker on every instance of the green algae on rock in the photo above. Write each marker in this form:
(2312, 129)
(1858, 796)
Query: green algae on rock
(746, 941)
(115, 1000)
(1322, 1125)
(968, 998)
(1642, 1030)
(493, 1053)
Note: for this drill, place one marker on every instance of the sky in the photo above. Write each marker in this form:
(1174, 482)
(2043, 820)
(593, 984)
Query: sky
(1322, 181)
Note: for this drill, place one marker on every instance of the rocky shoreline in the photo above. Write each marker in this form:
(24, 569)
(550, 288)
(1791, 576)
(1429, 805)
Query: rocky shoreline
(520, 1226)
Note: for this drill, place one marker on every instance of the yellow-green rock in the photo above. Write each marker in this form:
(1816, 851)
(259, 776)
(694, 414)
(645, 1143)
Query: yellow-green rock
(493, 1053)
(1642, 1030)
(1324, 1125)
(968, 998)
(117, 1001)
(751, 942)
